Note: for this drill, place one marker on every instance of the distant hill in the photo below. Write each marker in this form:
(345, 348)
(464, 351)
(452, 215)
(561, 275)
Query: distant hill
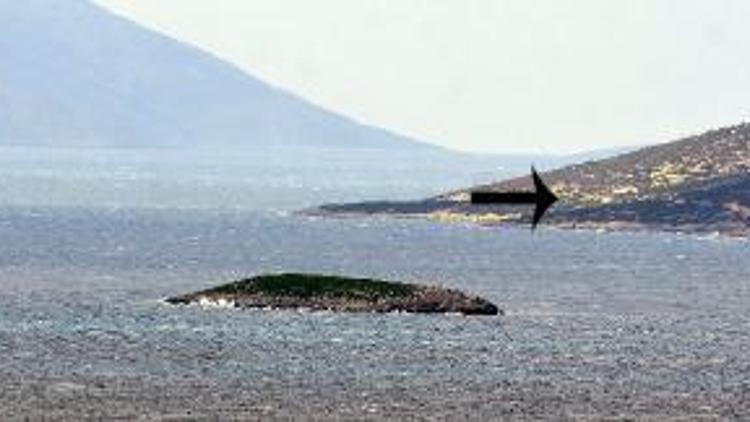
(646, 172)
(73, 74)
(700, 183)
(720, 205)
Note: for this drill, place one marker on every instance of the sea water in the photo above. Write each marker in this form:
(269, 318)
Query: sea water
(595, 325)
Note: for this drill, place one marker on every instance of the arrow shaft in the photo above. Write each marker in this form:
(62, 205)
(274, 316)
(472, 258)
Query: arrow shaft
(542, 198)
(503, 198)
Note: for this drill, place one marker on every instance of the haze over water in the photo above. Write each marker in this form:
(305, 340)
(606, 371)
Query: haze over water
(596, 324)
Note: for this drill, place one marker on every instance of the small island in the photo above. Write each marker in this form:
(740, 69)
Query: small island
(341, 294)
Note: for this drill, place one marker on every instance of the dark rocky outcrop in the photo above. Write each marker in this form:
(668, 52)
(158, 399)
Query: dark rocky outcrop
(320, 292)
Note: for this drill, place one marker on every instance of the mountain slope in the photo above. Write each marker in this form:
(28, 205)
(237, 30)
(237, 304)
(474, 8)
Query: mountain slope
(720, 205)
(700, 183)
(646, 172)
(74, 74)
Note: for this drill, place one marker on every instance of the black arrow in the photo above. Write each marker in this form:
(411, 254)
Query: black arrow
(543, 198)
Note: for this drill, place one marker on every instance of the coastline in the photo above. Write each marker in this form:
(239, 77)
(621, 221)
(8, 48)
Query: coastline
(491, 219)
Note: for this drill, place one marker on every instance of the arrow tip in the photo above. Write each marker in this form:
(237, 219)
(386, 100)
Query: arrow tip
(544, 198)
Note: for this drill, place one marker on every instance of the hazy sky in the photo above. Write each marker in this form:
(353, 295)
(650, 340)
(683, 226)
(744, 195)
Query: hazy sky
(489, 75)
